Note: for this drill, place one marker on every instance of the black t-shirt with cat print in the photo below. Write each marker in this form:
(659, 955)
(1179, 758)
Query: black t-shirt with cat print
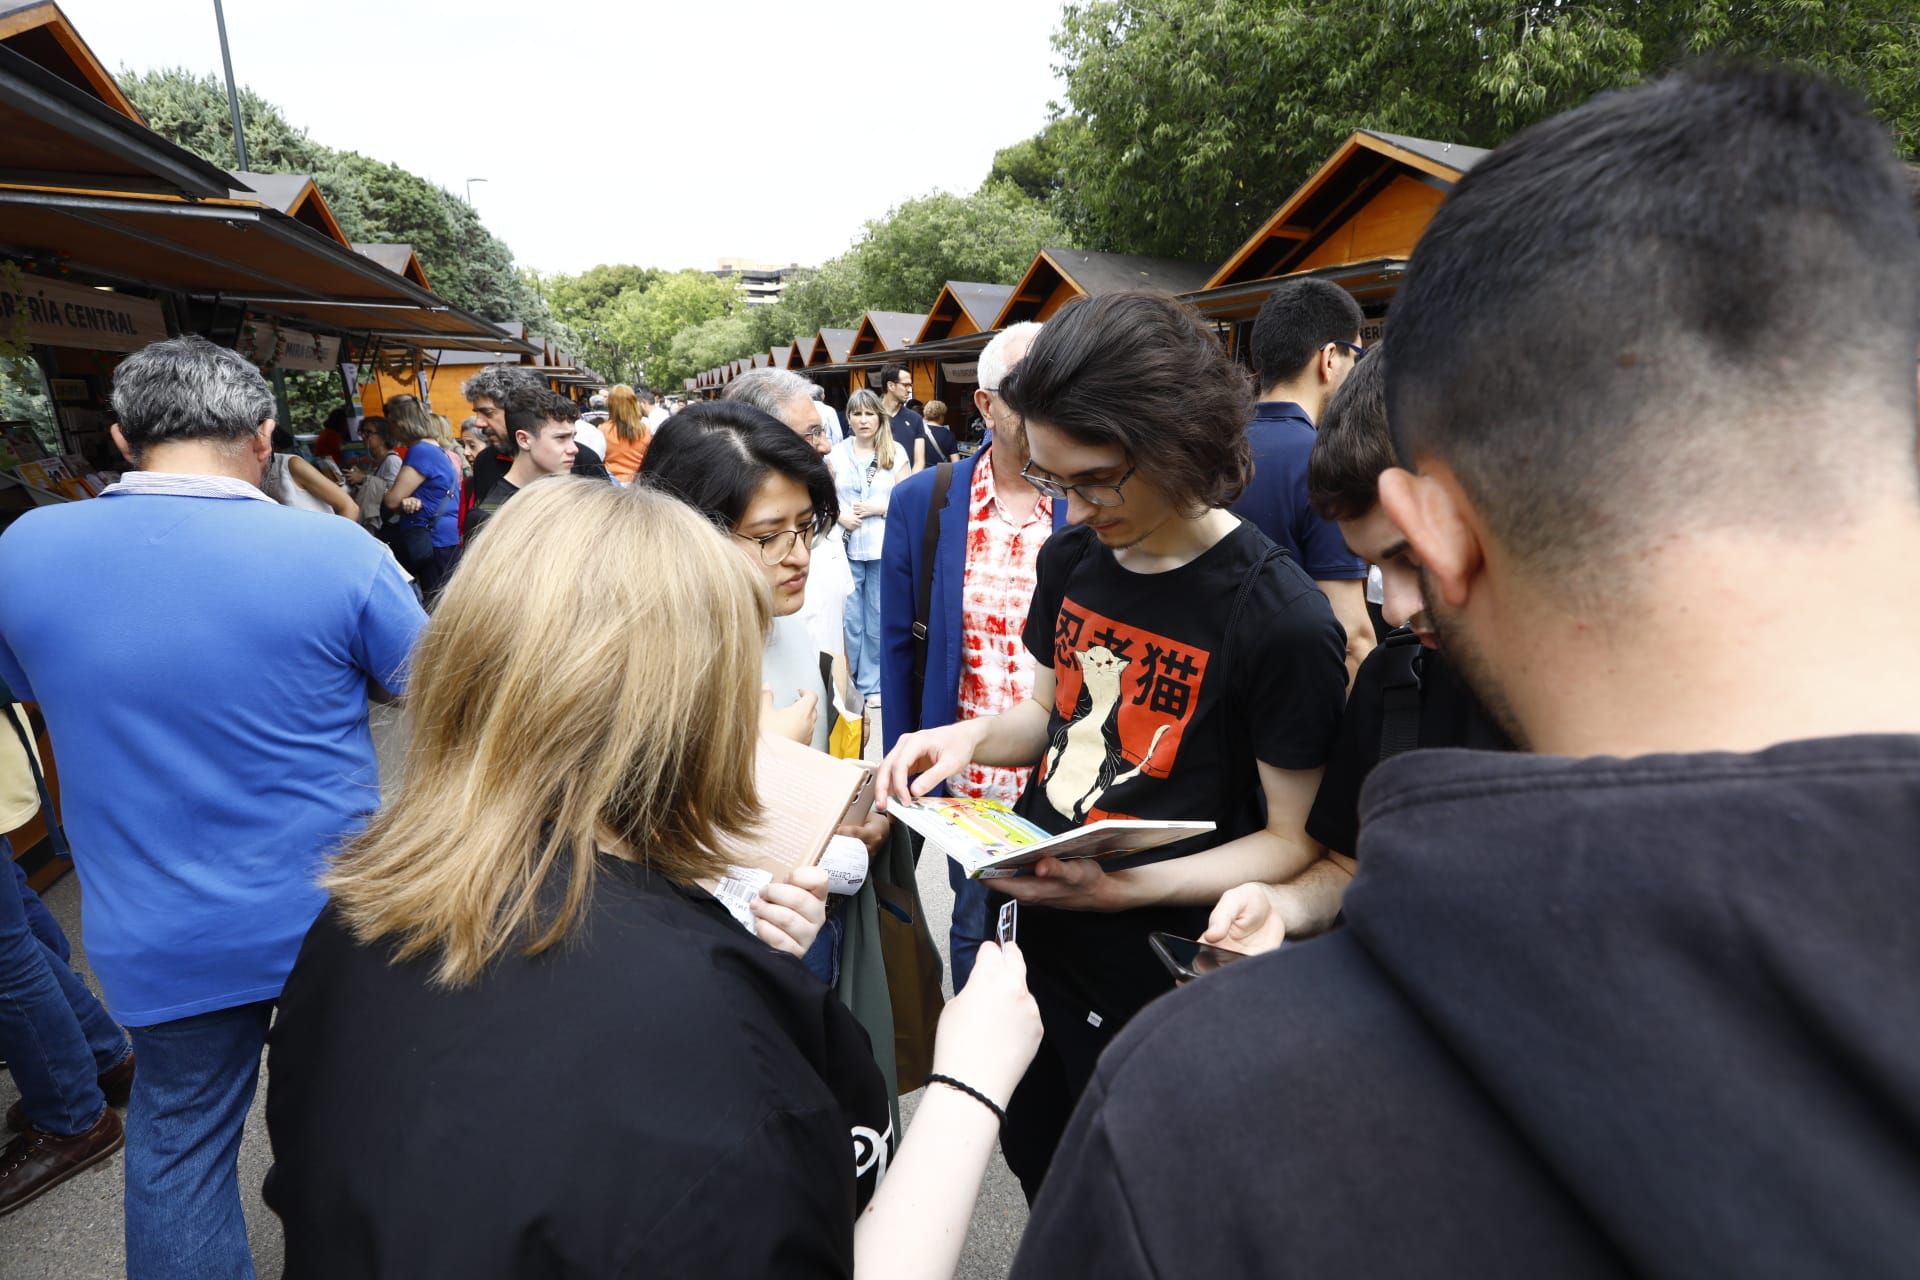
(1160, 713)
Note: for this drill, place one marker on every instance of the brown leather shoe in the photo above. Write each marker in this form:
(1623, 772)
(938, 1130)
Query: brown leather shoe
(116, 1082)
(34, 1163)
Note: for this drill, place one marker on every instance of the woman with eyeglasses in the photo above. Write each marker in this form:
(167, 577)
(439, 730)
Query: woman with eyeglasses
(866, 466)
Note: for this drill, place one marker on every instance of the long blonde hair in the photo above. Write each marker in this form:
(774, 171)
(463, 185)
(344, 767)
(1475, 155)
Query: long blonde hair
(623, 411)
(605, 703)
(886, 450)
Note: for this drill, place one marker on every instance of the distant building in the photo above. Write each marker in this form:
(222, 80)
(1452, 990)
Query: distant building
(763, 283)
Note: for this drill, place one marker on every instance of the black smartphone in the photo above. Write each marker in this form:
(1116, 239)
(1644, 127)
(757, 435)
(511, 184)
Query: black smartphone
(1186, 959)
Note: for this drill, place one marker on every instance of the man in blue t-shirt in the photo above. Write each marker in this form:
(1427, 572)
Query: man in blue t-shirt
(1306, 340)
(207, 696)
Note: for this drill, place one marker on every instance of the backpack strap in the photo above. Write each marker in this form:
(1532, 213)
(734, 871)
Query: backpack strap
(1230, 722)
(56, 835)
(923, 593)
(1400, 695)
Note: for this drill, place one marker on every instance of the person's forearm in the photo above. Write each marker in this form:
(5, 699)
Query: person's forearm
(1309, 902)
(917, 1221)
(1014, 738)
(1199, 879)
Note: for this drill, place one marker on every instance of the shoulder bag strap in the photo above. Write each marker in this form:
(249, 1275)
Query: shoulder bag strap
(923, 594)
(56, 835)
(1400, 698)
(927, 432)
(1230, 723)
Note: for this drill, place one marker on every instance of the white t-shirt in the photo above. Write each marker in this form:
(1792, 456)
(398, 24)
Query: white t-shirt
(658, 416)
(829, 585)
(592, 437)
(791, 664)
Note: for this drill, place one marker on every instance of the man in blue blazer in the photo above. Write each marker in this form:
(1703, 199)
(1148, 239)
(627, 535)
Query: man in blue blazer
(992, 523)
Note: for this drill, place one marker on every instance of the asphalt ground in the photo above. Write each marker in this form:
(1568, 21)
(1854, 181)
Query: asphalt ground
(74, 1231)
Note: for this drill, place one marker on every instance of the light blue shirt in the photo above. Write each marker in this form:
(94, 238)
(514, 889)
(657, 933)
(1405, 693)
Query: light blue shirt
(202, 661)
(856, 480)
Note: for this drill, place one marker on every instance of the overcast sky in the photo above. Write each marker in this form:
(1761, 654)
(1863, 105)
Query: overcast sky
(666, 134)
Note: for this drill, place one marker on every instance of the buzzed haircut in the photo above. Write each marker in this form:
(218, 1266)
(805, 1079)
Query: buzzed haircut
(1142, 371)
(1298, 319)
(1352, 444)
(1686, 305)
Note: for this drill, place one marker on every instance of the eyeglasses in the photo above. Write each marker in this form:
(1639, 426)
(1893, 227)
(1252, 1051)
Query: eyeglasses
(1353, 349)
(1099, 495)
(814, 436)
(775, 547)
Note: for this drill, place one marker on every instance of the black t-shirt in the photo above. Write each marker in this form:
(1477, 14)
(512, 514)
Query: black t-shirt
(662, 1095)
(490, 467)
(588, 463)
(1159, 713)
(1449, 716)
(909, 426)
(496, 498)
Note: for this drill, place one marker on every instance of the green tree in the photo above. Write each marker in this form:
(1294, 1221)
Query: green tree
(647, 321)
(1191, 120)
(824, 297)
(371, 200)
(582, 303)
(903, 259)
(703, 346)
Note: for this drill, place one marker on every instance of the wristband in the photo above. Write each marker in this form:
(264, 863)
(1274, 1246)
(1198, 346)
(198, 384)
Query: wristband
(998, 1113)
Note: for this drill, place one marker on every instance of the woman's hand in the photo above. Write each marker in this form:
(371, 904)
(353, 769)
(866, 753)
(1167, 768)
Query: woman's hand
(795, 722)
(848, 520)
(872, 833)
(788, 914)
(1247, 918)
(991, 1030)
(409, 505)
(934, 755)
(1076, 884)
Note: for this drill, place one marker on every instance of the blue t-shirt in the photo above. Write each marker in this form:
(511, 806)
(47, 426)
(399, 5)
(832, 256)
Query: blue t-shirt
(202, 663)
(439, 490)
(1276, 499)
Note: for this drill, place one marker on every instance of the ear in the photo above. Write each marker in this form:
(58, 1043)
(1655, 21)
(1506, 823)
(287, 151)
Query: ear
(120, 443)
(983, 404)
(1323, 363)
(263, 440)
(1432, 514)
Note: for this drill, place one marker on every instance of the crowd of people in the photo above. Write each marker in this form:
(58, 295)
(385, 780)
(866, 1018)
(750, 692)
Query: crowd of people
(1554, 914)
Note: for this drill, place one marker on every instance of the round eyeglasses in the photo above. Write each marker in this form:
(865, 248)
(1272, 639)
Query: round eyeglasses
(777, 546)
(1099, 495)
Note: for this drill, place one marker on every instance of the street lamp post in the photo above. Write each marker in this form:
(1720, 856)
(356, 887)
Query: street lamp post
(233, 97)
(470, 181)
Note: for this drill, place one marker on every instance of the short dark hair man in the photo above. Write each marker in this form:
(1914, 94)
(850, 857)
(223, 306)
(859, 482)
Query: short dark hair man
(540, 429)
(927, 445)
(1305, 342)
(1645, 1003)
(487, 392)
(210, 710)
(1186, 669)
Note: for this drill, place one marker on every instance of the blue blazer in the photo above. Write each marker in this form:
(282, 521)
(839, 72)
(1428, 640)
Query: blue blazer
(899, 585)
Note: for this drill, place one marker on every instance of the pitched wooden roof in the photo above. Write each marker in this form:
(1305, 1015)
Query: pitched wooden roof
(885, 331)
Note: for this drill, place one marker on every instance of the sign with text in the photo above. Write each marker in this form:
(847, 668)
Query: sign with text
(60, 313)
(961, 370)
(284, 348)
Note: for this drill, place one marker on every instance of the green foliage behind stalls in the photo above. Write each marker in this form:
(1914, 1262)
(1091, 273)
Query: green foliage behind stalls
(1187, 122)
(373, 201)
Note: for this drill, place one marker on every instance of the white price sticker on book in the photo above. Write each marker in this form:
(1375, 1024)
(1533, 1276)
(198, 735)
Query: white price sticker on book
(737, 890)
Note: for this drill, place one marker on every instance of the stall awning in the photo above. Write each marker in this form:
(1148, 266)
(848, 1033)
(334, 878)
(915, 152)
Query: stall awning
(238, 253)
(52, 134)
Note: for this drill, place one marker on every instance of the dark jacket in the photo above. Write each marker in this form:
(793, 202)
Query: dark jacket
(1653, 1017)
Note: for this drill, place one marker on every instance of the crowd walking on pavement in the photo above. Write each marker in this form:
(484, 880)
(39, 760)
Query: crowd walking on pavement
(1546, 914)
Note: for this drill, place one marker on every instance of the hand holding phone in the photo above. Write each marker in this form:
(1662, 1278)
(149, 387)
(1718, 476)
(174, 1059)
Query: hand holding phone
(1187, 959)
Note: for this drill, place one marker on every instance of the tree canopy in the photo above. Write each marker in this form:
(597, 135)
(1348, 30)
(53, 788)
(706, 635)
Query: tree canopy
(373, 201)
(1188, 121)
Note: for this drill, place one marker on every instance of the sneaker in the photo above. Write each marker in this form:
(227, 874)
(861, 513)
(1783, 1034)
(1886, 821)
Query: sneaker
(35, 1162)
(116, 1082)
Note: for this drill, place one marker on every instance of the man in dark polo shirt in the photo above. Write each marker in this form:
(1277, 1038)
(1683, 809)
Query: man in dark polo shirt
(1643, 1000)
(937, 444)
(1306, 341)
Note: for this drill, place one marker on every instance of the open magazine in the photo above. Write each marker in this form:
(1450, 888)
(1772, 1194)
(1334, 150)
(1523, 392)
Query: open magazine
(988, 839)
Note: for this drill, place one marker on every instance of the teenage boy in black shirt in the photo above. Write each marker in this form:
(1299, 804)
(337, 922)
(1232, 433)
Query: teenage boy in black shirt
(1646, 1002)
(1405, 695)
(1188, 669)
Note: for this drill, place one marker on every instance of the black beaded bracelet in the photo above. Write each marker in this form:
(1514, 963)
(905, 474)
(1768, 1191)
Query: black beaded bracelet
(973, 1093)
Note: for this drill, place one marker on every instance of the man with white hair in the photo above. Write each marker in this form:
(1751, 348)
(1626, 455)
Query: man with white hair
(957, 575)
(785, 395)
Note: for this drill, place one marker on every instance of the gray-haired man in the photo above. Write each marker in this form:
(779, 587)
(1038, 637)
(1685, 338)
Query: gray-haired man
(785, 395)
(487, 392)
(209, 707)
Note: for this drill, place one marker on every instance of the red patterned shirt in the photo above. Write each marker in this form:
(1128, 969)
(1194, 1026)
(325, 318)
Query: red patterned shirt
(996, 671)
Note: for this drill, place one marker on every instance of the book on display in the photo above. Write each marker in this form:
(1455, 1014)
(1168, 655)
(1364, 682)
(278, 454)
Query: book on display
(989, 840)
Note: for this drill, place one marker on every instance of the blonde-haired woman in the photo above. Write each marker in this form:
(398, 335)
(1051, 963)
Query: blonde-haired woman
(523, 924)
(866, 466)
(627, 434)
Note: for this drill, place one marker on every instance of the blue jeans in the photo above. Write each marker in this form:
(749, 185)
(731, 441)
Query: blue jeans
(190, 1099)
(823, 957)
(53, 1031)
(972, 922)
(863, 627)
